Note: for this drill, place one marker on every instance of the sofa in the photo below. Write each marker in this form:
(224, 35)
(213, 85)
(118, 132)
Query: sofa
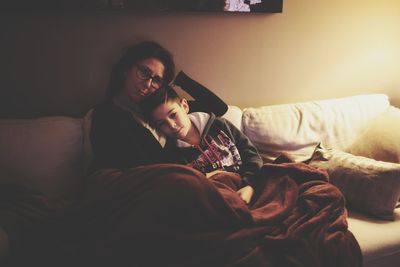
(52, 155)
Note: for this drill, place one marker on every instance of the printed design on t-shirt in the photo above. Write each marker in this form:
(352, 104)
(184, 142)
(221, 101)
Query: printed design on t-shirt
(218, 153)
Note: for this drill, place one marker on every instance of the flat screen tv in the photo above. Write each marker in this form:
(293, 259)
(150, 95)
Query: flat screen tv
(242, 6)
(268, 6)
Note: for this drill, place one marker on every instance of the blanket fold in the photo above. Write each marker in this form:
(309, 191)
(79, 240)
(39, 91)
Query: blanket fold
(172, 215)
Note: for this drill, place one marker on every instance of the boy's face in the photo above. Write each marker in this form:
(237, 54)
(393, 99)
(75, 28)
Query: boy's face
(172, 119)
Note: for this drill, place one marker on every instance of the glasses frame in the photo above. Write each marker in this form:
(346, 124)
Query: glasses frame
(144, 73)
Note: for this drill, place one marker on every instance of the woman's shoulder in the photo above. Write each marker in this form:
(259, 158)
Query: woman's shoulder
(108, 109)
(109, 114)
(106, 106)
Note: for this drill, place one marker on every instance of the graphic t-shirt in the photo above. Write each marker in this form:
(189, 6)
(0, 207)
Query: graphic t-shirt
(217, 153)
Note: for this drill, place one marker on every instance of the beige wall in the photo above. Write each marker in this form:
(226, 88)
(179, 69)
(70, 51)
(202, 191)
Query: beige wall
(313, 50)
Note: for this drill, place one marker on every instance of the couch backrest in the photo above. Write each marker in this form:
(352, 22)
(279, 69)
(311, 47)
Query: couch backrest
(49, 153)
(298, 127)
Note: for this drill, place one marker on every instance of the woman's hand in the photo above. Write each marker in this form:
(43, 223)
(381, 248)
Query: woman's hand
(246, 193)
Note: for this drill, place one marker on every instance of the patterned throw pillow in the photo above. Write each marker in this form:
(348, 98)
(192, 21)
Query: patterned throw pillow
(369, 186)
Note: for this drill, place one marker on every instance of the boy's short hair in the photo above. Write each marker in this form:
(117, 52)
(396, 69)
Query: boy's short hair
(163, 95)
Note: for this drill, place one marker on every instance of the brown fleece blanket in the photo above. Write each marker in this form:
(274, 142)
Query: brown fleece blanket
(171, 215)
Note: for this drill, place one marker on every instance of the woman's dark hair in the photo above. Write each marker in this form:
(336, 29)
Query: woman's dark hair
(135, 54)
(163, 95)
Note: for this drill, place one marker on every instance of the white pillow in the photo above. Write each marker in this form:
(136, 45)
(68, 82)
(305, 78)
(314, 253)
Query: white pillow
(234, 115)
(45, 154)
(297, 128)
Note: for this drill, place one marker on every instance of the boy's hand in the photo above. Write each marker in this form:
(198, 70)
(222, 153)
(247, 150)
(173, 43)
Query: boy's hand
(209, 174)
(246, 193)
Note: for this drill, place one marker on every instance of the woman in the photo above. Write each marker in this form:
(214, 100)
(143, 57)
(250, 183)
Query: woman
(120, 136)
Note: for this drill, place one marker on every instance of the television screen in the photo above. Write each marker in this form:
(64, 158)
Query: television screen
(268, 6)
(244, 6)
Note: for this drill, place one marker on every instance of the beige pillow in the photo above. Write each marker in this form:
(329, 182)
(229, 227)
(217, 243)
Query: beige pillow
(45, 154)
(381, 139)
(369, 186)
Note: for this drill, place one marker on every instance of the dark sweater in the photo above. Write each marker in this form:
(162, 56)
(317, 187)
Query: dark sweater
(222, 147)
(119, 141)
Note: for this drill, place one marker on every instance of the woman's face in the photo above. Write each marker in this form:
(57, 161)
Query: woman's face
(144, 78)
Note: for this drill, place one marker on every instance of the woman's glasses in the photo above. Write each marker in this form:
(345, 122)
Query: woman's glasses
(144, 73)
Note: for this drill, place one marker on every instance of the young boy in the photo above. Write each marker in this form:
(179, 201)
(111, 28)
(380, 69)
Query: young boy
(201, 140)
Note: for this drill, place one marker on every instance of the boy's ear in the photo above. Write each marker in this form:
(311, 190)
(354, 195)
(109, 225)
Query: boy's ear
(185, 105)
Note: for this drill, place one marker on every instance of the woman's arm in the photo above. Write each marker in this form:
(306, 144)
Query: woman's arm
(204, 99)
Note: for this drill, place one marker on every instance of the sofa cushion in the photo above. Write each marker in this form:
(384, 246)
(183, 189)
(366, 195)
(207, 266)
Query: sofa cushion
(369, 186)
(45, 154)
(297, 128)
(378, 239)
(381, 139)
